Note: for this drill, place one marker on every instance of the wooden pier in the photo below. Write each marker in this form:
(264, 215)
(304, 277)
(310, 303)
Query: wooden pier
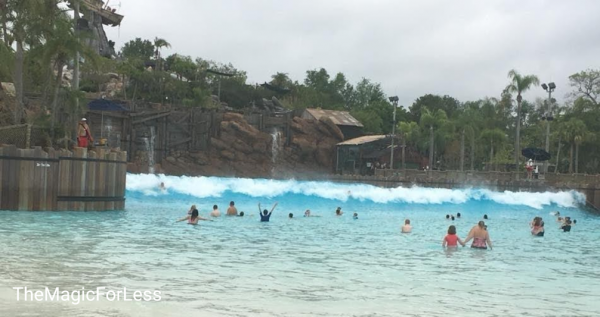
(35, 180)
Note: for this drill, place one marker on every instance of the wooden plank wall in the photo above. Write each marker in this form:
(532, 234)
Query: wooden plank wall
(34, 180)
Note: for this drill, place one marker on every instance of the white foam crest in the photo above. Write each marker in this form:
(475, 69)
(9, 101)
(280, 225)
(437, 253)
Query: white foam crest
(203, 187)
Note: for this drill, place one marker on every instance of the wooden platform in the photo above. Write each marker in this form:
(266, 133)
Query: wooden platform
(34, 180)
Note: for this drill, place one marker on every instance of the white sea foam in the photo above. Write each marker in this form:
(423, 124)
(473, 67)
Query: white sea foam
(203, 187)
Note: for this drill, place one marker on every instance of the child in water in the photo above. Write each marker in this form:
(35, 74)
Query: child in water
(193, 218)
(451, 239)
(407, 228)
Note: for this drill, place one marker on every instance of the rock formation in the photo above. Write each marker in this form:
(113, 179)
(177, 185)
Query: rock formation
(241, 150)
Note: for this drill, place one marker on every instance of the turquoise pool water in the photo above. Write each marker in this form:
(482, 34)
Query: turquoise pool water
(322, 266)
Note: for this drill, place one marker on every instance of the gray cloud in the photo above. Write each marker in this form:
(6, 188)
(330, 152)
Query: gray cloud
(460, 48)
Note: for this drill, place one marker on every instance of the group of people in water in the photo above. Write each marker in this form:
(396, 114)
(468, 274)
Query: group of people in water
(478, 233)
(537, 224)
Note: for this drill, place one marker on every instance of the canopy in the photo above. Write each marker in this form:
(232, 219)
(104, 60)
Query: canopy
(535, 154)
(105, 105)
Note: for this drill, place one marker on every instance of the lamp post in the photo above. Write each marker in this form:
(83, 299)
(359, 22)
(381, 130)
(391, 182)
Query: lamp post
(394, 101)
(548, 117)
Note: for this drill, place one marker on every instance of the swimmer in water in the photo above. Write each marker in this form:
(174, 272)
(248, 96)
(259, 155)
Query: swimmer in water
(192, 209)
(447, 217)
(480, 237)
(537, 227)
(451, 240)
(458, 215)
(407, 228)
(162, 186)
(215, 212)
(485, 217)
(355, 216)
(265, 215)
(232, 211)
(338, 211)
(241, 214)
(193, 218)
(291, 215)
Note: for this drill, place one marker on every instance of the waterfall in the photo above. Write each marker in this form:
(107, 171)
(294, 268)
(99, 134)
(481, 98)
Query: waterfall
(276, 145)
(149, 142)
(275, 148)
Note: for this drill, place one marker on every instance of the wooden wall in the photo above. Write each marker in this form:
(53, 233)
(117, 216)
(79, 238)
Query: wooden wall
(34, 180)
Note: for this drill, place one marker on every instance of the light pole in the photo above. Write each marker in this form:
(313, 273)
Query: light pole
(394, 101)
(548, 117)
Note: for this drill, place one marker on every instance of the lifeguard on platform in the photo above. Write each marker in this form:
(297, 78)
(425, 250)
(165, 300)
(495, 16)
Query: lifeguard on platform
(83, 134)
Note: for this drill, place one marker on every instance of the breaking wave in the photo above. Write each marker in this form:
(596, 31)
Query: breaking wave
(202, 187)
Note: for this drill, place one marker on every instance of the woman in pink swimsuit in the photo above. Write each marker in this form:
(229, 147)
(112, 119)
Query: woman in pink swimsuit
(480, 236)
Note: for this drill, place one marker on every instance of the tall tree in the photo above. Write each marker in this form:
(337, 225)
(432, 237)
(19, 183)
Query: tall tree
(520, 84)
(587, 85)
(408, 130)
(493, 137)
(431, 121)
(159, 44)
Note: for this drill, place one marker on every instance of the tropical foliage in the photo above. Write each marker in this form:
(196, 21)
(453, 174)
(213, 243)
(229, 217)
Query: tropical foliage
(38, 41)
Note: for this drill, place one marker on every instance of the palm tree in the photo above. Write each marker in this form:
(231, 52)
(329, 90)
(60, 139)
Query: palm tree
(158, 45)
(432, 121)
(519, 84)
(575, 131)
(20, 15)
(408, 130)
(467, 122)
(494, 137)
(63, 46)
(562, 134)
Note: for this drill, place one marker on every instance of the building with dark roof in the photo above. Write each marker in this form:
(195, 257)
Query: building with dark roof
(350, 127)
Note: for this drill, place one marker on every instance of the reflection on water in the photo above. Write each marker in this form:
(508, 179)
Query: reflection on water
(325, 266)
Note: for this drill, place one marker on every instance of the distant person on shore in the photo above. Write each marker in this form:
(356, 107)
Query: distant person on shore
(265, 215)
(451, 240)
(355, 216)
(537, 227)
(480, 236)
(529, 168)
(407, 228)
(83, 134)
(232, 211)
(215, 212)
(192, 209)
(193, 218)
(338, 211)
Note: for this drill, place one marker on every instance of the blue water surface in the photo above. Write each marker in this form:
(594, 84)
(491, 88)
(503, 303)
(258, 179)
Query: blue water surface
(317, 266)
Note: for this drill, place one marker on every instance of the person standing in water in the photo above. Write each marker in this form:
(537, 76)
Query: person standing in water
(192, 209)
(480, 236)
(232, 211)
(355, 216)
(265, 215)
(338, 211)
(451, 240)
(215, 212)
(407, 228)
(193, 218)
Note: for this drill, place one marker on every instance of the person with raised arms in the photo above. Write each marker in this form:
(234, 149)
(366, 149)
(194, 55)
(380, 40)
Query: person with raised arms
(265, 215)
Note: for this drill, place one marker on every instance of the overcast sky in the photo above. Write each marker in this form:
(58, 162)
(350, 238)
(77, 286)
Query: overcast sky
(460, 48)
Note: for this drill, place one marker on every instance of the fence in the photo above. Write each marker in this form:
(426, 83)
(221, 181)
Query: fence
(31, 179)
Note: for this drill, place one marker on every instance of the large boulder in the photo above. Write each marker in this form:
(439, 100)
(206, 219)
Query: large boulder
(333, 129)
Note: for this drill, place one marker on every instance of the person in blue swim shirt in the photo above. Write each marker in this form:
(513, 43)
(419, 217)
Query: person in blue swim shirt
(265, 215)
